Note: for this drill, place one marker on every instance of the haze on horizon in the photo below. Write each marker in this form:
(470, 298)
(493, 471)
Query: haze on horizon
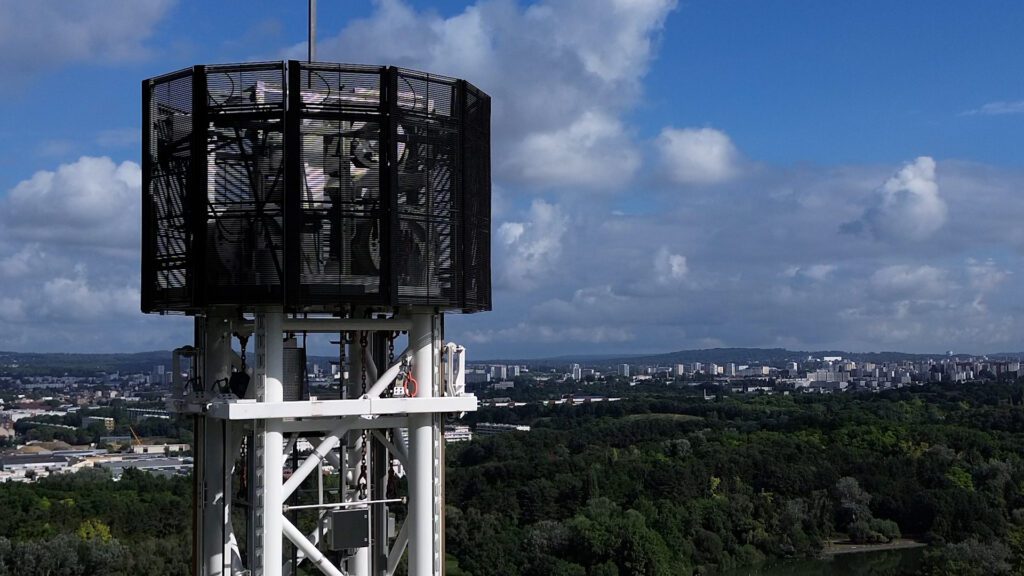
(667, 175)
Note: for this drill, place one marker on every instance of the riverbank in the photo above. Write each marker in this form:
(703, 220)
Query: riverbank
(901, 558)
(836, 547)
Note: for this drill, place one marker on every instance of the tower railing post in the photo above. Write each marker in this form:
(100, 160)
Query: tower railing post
(216, 366)
(270, 343)
(422, 340)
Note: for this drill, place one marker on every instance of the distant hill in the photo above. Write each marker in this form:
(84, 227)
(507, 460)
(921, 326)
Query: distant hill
(37, 364)
(768, 356)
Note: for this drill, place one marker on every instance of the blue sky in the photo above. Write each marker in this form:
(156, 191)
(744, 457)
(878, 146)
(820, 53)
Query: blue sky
(668, 174)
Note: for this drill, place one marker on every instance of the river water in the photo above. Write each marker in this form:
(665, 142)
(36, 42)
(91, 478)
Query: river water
(904, 562)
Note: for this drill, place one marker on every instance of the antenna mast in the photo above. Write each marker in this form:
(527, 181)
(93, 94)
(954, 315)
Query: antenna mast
(312, 31)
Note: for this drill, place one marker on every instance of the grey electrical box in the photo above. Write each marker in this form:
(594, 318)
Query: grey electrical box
(349, 529)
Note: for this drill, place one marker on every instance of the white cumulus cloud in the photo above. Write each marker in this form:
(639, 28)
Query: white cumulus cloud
(89, 202)
(669, 267)
(698, 155)
(37, 34)
(562, 74)
(907, 207)
(594, 151)
(531, 248)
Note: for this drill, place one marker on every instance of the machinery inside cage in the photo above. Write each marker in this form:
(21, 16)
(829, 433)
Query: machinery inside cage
(287, 200)
(313, 185)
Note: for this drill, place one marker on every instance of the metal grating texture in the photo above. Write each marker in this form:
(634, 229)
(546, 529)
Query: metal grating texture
(476, 201)
(315, 186)
(167, 174)
(242, 198)
(428, 189)
(341, 250)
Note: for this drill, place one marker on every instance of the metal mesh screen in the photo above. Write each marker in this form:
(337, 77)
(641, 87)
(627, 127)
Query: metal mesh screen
(428, 189)
(167, 157)
(341, 211)
(245, 185)
(314, 186)
(476, 154)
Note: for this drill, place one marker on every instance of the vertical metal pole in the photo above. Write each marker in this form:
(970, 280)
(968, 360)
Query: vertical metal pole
(273, 464)
(216, 367)
(227, 464)
(320, 500)
(421, 448)
(312, 30)
(379, 467)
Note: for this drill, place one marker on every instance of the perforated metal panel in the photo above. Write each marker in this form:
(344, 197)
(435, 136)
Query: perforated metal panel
(167, 166)
(243, 228)
(476, 219)
(314, 186)
(429, 189)
(341, 247)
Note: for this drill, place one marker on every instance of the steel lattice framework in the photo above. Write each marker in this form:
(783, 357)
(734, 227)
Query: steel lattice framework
(283, 199)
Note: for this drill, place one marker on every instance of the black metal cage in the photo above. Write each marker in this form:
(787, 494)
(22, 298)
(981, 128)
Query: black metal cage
(313, 186)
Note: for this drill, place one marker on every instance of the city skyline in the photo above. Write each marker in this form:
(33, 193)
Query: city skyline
(667, 176)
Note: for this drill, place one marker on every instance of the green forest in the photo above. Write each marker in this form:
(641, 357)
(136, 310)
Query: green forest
(674, 484)
(664, 482)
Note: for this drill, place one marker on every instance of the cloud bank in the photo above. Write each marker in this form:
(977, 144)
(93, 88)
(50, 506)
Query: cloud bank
(43, 34)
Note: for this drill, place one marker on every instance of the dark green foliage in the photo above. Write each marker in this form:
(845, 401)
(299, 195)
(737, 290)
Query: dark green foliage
(667, 482)
(968, 558)
(86, 524)
(663, 483)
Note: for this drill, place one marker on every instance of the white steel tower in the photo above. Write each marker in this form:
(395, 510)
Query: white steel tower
(286, 200)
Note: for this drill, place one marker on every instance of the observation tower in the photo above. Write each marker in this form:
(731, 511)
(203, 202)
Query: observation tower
(286, 199)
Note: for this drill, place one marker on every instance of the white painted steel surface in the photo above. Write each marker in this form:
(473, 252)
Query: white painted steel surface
(421, 446)
(273, 462)
(244, 410)
(215, 528)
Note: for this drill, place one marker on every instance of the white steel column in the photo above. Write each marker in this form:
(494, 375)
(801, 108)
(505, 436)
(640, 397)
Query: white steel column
(273, 459)
(421, 447)
(216, 367)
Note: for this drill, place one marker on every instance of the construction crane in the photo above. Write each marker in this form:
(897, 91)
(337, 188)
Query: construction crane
(137, 441)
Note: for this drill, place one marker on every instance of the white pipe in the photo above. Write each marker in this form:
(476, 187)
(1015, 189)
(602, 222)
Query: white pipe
(273, 461)
(237, 432)
(402, 456)
(387, 377)
(213, 499)
(216, 510)
(323, 524)
(292, 439)
(334, 460)
(333, 505)
(421, 452)
(307, 547)
(395, 555)
(327, 445)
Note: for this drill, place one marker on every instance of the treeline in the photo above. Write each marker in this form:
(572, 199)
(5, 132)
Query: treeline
(23, 364)
(664, 483)
(86, 524)
(679, 485)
